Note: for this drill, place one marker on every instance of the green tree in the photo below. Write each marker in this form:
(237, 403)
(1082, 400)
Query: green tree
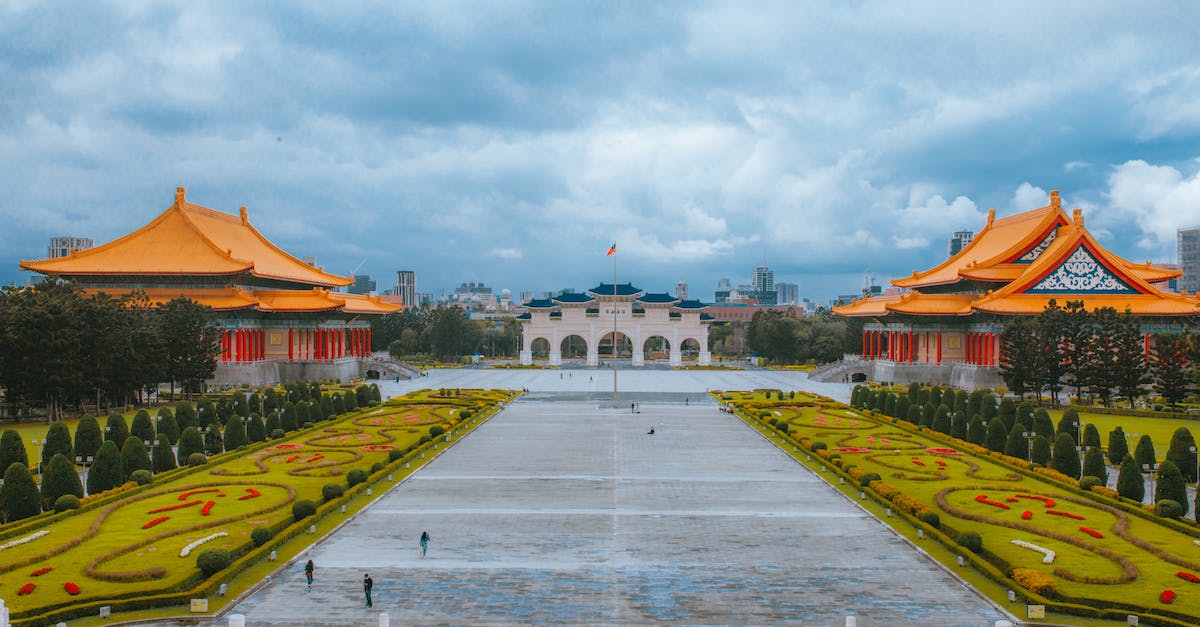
(186, 415)
(1066, 456)
(1093, 465)
(19, 494)
(273, 423)
(192, 340)
(1129, 369)
(161, 456)
(1169, 365)
(988, 408)
(168, 426)
(190, 441)
(1020, 355)
(914, 414)
(1025, 415)
(997, 436)
(976, 432)
(958, 426)
(60, 478)
(255, 429)
(289, 420)
(1118, 447)
(1069, 423)
(1042, 425)
(350, 401)
(1182, 453)
(58, 442)
(1007, 412)
(1130, 483)
(1091, 437)
(115, 429)
(107, 471)
(1077, 346)
(87, 438)
(1170, 484)
(1052, 331)
(134, 456)
(1143, 453)
(941, 419)
(452, 334)
(141, 427)
(1040, 451)
(235, 434)
(12, 449)
(1016, 444)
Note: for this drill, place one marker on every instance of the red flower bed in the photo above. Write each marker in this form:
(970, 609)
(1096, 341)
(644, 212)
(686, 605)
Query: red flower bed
(251, 493)
(1091, 532)
(314, 458)
(1047, 501)
(71, 587)
(1013, 499)
(377, 448)
(852, 449)
(982, 498)
(185, 495)
(1167, 596)
(159, 510)
(918, 462)
(1055, 512)
(942, 450)
(1186, 576)
(288, 446)
(156, 521)
(1026, 515)
(26, 589)
(292, 458)
(204, 511)
(41, 571)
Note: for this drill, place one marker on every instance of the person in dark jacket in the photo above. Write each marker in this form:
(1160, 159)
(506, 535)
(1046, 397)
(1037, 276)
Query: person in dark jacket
(308, 572)
(424, 543)
(368, 583)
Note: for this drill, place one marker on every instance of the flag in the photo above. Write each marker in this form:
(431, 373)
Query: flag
(611, 250)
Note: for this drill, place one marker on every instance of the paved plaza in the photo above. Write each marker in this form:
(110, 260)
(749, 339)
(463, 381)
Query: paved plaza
(562, 509)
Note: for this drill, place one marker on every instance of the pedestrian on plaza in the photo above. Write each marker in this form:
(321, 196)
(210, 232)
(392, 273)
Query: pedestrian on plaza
(308, 571)
(651, 431)
(424, 543)
(368, 583)
(632, 407)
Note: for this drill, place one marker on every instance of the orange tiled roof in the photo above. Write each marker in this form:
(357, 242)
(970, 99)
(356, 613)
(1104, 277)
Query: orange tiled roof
(188, 239)
(361, 304)
(872, 306)
(279, 301)
(220, 299)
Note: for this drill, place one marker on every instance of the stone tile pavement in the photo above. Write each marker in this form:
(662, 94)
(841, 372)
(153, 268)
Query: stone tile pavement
(568, 512)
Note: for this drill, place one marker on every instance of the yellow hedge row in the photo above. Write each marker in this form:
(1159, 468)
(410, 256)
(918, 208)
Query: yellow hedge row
(884, 489)
(1034, 581)
(1056, 475)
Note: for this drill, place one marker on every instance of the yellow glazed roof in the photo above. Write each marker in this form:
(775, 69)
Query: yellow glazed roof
(294, 301)
(188, 239)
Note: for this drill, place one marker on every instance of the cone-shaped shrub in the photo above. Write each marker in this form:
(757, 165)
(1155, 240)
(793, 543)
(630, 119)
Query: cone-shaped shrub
(214, 444)
(19, 494)
(350, 401)
(326, 406)
(134, 456)
(115, 429)
(235, 434)
(1143, 453)
(976, 432)
(941, 419)
(168, 426)
(273, 423)
(107, 470)
(162, 457)
(1130, 483)
(1091, 437)
(141, 427)
(1118, 448)
(1066, 456)
(12, 449)
(1042, 425)
(58, 442)
(205, 417)
(60, 478)
(185, 416)
(289, 421)
(190, 441)
(997, 435)
(987, 408)
(256, 431)
(338, 407)
(1008, 412)
(1180, 454)
(1016, 445)
(1040, 450)
(87, 437)
(958, 426)
(1069, 423)
(1093, 465)
(914, 414)
(1170, 485)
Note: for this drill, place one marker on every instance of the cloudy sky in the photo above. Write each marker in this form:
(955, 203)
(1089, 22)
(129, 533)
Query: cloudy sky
(513, 142)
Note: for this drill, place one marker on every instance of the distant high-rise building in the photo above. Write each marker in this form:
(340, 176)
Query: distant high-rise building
(681, 290)
(363, 284)
(722, 293)
(960, 241)
(788, 293)
(526, 297)
(763, 285)
(1189, 259)
(64, 246)
(406, 288)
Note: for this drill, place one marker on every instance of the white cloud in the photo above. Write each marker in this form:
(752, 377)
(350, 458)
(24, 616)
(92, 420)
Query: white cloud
(508, 253)
(1028, 197)
(1158, 198)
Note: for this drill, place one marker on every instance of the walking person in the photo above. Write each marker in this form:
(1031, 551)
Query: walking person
(424, 543)
(368, 583)
(308, 571)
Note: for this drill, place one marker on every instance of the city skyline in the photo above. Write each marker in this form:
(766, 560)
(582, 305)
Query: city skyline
(701, 137)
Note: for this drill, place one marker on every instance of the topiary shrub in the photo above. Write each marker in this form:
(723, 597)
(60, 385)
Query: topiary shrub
(868, 478)
(424, 439)
(212, 561)
(783, 428)
(436, 430)
(66, 502)
(141, 476)
(376, 467)
(971, 541)
(261, 535)
(355, 477)
(303, 509)
(1088, 482)
(1168, 508)
(818, 446)
(197, 459)
(332, 491)
(395, 454)
(932, 519)
(277, 433)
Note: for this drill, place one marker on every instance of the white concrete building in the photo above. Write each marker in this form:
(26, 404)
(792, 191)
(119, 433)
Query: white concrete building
(649, 327)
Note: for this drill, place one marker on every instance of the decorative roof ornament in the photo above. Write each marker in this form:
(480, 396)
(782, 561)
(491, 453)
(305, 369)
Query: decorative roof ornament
(1054, 200)
(991, 218)
(1077, 216)
(180, 195)
(245, 218)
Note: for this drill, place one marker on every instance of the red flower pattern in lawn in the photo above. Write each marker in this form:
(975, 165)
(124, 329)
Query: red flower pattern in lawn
(982, 498)
(1091, 532)
(156, 521)
(1186, 576)
(1167, 596)
(41, 571)
(26, 589)
(71, 587)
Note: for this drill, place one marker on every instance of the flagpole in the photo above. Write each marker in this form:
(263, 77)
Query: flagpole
(614, 338)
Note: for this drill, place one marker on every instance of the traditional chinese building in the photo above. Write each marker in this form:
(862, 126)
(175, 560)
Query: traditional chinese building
(282, 319)
(945, 324)
(655, 326)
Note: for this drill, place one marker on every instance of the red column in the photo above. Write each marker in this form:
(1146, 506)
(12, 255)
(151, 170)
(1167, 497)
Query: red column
(939, 347)
(991, 350)
(262, 353)
(291, 354)
(240, 351)
(321, 344)
(341, 338)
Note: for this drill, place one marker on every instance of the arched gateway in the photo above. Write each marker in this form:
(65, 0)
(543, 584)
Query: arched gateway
(638, 316)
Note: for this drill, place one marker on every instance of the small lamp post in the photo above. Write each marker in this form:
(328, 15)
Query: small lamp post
(1029, 436)
(1148, 470)
(1192, 450)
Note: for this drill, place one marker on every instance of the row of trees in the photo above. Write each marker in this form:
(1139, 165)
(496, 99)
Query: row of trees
(1099, 352)
(1025, 432)
(60, 347)
(446, 333)
(786, 338)
(156, 444)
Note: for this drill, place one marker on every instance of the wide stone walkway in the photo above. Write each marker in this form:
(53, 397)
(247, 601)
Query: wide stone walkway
(565, 511)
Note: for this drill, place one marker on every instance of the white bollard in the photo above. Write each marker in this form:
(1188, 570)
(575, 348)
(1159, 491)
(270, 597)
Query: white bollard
(237, 620)
(851, 621)
(1004, 623)
(383, 619)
